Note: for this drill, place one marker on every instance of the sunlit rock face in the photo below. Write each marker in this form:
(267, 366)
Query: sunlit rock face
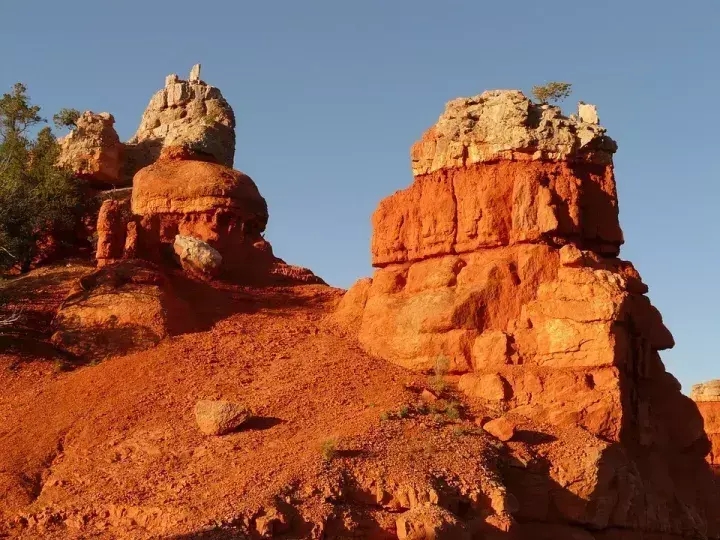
(501, 260)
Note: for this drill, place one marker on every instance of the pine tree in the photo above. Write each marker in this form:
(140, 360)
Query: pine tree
(37, 198)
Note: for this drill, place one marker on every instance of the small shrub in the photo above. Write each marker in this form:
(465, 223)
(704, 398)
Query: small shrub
(551, 92)
(442, 366)
(404, 412)
(66, 118)
(385, 416)
(452, 411)
(60, 366)
(328, 449)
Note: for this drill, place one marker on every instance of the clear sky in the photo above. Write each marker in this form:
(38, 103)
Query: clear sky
(329, 96)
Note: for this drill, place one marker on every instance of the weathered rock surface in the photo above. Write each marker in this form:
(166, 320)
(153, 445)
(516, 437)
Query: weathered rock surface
(506, 125)
(123, 307)
(209, 202)
(707, 397)
(430, 522)
(196, 256)
(219, 417)
(500, 428)
(93, 151)
(190, 115)
(502, 258)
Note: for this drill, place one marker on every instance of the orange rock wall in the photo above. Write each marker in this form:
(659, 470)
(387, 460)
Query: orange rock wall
(501, 258)
(487, 205)
(710, 411)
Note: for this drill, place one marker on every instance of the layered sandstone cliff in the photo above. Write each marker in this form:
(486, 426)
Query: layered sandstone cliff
(500, 261)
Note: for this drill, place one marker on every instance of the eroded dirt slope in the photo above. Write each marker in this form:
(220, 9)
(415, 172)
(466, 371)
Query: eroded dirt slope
(112, 449)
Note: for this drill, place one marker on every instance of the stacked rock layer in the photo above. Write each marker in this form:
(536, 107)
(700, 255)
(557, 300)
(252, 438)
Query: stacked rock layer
(500, 260)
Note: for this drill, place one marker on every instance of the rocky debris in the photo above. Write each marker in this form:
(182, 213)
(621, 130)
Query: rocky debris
(196, 256)
(430, 522)
(506, 125)
(271, 522)
(707, 398)
(93, 151)
(500, 428)
(219, 417)
(502, 257)
(191, 115)
(123, 307)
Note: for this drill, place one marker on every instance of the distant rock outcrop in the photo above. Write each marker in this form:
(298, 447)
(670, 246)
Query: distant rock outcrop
(93, 151)
(501, 259)
(707, 398)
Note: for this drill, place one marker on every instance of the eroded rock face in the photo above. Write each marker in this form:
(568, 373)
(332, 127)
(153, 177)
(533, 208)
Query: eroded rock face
(93, 151)
(501, 258)
(122, 307)
(707, 398)
(506, 125)
(191, 115)
(211, 203)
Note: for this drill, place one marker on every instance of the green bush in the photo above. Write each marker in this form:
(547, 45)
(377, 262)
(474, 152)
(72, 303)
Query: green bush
(551, 92)
(66, 118)
(37, 198)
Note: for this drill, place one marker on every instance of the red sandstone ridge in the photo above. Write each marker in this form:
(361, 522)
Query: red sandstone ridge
(500, 261)
(707, 398)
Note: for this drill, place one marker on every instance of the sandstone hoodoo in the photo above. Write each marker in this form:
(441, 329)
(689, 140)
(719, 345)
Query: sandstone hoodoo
(93, 151)
(189, 115)
(188, 118)
(502, 258)
(182, 184)
(707, 397)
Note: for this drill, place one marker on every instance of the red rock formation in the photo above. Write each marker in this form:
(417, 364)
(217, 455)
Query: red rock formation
(501, 257)
(199, 199)
(707, 398)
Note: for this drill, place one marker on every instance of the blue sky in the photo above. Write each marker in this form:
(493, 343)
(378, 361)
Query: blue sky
(329, 96)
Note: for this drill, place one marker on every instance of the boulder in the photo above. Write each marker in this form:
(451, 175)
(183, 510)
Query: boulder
(111, 230)
(197, 257)
(93, 151)
(430, 522)
(219, 417)
(500, 428)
